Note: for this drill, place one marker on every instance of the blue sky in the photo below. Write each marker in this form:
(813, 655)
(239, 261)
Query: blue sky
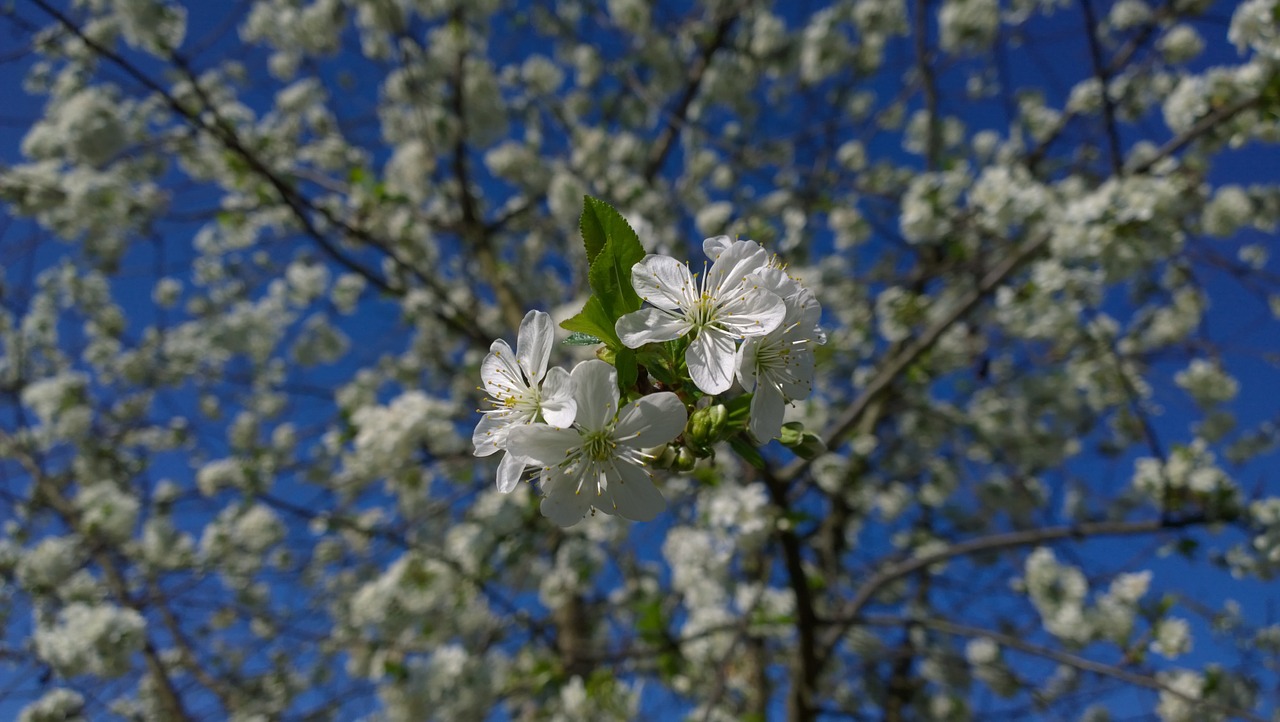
(1239, 322)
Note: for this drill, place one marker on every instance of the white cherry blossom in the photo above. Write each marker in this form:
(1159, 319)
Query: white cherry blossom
(778, 367)
(599, 463)
(728, 304)
(522, 391)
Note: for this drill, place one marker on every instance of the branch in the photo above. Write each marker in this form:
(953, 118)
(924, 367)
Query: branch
(1102, 75)
(474, 230)
(1068, 659)
(892, 368)
(1204, 125)
(1120, 60)
(298, 203)
(46, 490)
(994, 542)
(676, 121)
(928, 83)
(800, 702)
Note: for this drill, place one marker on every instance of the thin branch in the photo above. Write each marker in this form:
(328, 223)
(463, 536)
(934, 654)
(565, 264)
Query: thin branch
(1066, 658)
(676, 120)
(994, 542)
(928, 83)
(47, 491)
(899, 362)
(297, 202)
(1204, 125)
(1100, 72)
(800, 702)
(1120, 60)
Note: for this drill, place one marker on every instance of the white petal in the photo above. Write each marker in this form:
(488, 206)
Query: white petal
(509, 471)
(803, 308)
(804, 311)
(558, 405)
(710, 361)
(499, 372)
(491, 433)
(596, 391)
(733, 265)
(746, 362)
(713, 247)
(799, 383)
(542, 444)
(633, 494)
(776, 280)
(561, 503)
(767, 408)
(533, 345)
(651, 420)
(663, 281)
(754, 312)
(650, 325)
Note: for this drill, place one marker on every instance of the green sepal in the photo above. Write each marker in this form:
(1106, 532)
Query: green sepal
(792, 433)
(805, 444)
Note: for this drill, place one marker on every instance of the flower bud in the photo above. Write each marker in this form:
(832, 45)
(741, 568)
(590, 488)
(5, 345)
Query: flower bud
(805, 444)
(663, 457)
(706, 426)
(792, 433)
(685, 460)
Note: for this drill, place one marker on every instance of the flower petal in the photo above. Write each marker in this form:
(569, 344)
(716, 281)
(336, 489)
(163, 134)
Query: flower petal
(651, 420)
(509, 471)
(767, 409)
(501, 376)
(754, 312)
(798, 382)
(533, 345)
(491, 433)
(633, 494)
(710, 360)
(713, 247)
(650, 325)
(775, 280)
(561, 503)
(733, 265)
(596, 392)
(746, 362)
(542, 444)
(558, 405)
(664, 282)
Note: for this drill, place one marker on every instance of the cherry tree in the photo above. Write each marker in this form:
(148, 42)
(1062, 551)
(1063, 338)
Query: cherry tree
(867, 359)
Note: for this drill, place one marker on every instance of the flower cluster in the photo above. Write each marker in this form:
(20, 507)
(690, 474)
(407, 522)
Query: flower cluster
(745, 295)
(592, 450)
(571, 426)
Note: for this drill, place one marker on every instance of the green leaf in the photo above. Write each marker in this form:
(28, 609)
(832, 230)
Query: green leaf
(628, 369)
(610, 267)
(650, 622)
(749, 453)
(739, 408)
(577, 338)
(594, 320)
(592, 228)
